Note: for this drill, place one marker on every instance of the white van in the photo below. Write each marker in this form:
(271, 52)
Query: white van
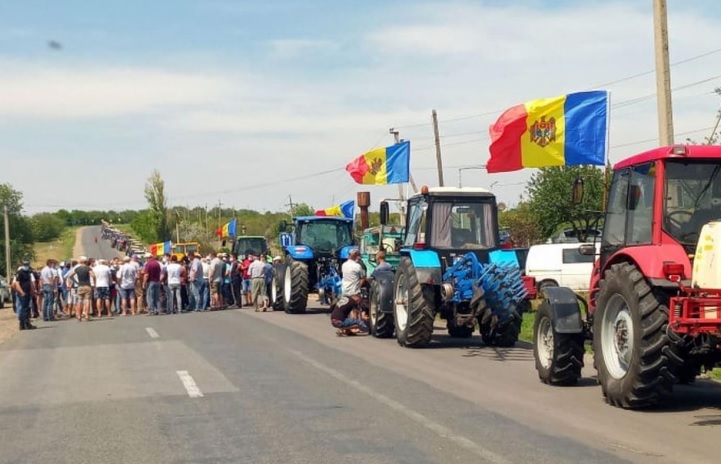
(560, 264)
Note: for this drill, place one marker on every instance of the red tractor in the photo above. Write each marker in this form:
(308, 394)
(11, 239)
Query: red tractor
(654, 309)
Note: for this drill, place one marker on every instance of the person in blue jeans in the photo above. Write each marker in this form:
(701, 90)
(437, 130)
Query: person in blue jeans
(49, 281)
(349, 316)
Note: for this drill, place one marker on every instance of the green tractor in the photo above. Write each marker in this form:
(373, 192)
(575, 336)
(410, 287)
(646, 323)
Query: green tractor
(386, 238)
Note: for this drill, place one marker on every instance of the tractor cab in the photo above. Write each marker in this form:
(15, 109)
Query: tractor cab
(451, 222)
(388, 239)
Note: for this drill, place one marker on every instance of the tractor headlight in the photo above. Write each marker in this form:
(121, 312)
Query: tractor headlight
(447, 291)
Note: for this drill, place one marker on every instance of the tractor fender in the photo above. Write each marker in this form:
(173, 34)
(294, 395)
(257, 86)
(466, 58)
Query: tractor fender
(383, 284)
(567, 318)
(427, 265)
(345, 251)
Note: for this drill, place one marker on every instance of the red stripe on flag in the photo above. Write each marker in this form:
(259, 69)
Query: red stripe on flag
(506, 136)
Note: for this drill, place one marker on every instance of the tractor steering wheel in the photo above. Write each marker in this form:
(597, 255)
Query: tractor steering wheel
(388, 249)
(670, 218)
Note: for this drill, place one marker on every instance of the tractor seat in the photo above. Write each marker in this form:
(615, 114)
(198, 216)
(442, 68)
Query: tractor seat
(461, 237)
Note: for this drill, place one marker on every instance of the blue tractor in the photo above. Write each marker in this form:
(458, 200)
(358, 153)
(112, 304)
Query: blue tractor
(314, 249)
(451, 264)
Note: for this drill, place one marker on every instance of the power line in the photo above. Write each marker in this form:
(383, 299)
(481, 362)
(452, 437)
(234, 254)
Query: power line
(606, 84)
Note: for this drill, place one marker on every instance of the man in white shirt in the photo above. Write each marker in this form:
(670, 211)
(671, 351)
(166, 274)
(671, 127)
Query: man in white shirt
(174, 274)
(49, 283)
(102, 287)
(127, 274)
(353, 274)
(256, 271)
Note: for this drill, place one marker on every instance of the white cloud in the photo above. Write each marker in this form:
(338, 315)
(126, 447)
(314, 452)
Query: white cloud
(55, 92)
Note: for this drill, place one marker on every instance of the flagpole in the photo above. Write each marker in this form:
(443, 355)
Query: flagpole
(608, 150)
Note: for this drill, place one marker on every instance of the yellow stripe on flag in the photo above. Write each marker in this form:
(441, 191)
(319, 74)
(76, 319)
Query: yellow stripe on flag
(543, 142)
(376, 160)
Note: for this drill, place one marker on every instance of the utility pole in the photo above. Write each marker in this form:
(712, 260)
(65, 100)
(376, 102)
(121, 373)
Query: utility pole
(291, 205)
(663, 73)
(439, 161)
(219, 211)
(6, 218)
(401, 204)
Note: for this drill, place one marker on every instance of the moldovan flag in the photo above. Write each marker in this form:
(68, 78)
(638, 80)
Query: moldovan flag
(229, 228)
(569, 130)
(390, 165)
(344, 209)
(159, 249)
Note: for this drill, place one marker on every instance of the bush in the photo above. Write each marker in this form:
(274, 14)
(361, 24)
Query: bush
(47, 227)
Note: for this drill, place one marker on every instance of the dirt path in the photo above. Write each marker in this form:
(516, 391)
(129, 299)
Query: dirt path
(78, 248)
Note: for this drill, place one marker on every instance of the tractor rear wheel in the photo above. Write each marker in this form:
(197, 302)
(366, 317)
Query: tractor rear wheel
(412, 311)
(629, 338)
(559, 356)
(381, 324)
(295, 287)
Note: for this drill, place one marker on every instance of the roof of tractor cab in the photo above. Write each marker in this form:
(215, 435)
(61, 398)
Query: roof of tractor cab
(671, 152)
(323, 218)
(458, 191)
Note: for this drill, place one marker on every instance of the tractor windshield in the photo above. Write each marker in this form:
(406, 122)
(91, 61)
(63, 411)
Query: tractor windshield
(693, 198)
(257, 245)
(325, 236)
(463, 224)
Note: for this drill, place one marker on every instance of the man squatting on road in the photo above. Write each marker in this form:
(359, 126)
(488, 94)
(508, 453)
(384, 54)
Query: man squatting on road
(349, 315)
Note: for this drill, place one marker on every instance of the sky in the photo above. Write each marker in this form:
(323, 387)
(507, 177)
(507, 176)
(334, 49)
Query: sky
(254, 104)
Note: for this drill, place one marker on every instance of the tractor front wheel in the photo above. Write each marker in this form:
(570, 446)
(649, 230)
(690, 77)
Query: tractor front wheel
(276, 289)
(629, 337)
(413, 313)
(295, 287)
(559, 356)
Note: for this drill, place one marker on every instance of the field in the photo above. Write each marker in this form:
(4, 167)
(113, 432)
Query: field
(59, 249)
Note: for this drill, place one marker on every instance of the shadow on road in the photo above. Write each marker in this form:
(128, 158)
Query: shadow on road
(702, 394)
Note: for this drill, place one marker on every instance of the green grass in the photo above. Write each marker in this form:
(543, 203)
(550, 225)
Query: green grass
(716, 373)
(59, 249)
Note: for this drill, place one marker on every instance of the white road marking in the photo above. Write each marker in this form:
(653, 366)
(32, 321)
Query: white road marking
(190, 386)
(441, 430)
(151, 331)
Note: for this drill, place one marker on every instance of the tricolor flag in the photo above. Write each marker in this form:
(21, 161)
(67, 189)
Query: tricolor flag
(229, 229)
(159, 249)
(344, 210)
(390, 165)
(569, 130)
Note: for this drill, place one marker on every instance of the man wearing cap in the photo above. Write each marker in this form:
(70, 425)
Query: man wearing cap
(23, 286)
(256, 271)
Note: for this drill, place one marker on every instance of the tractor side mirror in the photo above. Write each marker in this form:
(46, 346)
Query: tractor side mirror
(283, 226)
(384, 213)
(587, 249)
(577, 191)
(634, 197)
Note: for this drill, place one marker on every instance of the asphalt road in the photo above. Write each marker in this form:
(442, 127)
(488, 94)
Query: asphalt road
(245, 387)
(89, 248)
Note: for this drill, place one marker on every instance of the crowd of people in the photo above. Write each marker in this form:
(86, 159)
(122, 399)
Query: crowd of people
(98, 287)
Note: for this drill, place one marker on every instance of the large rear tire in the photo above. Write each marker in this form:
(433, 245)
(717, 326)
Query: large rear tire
(295, 287)
(382, 324)
(413, 313)
(629, 340)
(559, 356)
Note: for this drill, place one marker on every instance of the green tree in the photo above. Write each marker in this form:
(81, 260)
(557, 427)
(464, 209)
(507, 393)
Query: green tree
(21, 235)
(303, 209)
(47, 226)
(155, 195)
(144, 225)
(522, 223)
(551, 204)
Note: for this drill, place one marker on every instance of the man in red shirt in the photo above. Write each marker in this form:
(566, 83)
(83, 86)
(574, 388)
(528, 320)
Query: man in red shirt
(246, 279)
(151, 281)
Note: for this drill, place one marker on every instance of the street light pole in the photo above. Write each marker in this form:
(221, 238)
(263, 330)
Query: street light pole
(460, 182)
(6, 218)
